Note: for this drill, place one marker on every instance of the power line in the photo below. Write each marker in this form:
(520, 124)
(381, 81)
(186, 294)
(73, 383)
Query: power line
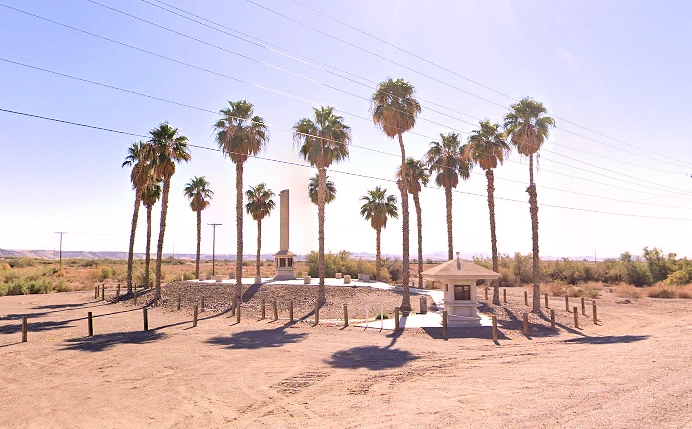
(350, 173)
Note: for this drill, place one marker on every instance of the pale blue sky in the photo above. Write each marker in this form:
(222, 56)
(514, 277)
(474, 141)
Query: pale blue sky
(617, 67)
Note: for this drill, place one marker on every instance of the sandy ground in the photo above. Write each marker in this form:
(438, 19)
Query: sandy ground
(632, 370)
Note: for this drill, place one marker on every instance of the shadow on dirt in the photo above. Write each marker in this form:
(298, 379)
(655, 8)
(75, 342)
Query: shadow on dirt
(371, 357)
(99, 343)
(257, 339)
(610, 339)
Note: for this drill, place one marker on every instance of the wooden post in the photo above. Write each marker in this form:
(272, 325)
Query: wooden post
(444, 323)
(117, 293)
(146, 318)
(552, 319)
(576, 318)
(290, 311)
(526, 324)
(25, 329)
(345, 315)
(274, 309)
(263, 312)
(135, 295)
(317, 313)
(96, 292)
(486, 293)
(194, 316)
(396, 319)
(178, 306)
(546, 301)
(90, 322)
(583, 307)
(233, 304)
(494, 328)
(504, 295)
(103, 292)
(237, 310)
(526, 298)
(423, 305)
(595, 318)
(201, 304)
(567, 303)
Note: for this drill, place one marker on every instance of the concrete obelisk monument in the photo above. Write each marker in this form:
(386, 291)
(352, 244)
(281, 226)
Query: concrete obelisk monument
(283, 259)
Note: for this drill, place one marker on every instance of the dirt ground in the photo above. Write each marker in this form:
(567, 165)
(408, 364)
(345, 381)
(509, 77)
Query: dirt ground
(630, 371)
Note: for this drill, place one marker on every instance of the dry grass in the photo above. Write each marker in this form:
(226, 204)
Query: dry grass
(587, 290)
(624, 290)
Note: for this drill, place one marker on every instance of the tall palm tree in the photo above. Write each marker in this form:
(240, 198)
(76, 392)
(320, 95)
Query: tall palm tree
(151, 194)
(139, 176)
(198, 192)
(528, 127)
(447, 160)
(377, 208)
(167, 147)
(323, 140)
(314, 185)
(394, 110)
(417, 176)
(488, 147)
(240, 135)
(259, 205)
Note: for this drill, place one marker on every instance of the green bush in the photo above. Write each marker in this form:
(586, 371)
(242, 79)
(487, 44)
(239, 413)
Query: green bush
(106, 273)
(22, 262)
(342, 262)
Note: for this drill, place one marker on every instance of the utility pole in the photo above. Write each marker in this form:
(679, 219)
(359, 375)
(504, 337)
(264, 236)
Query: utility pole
(61, 234)
(213, 249)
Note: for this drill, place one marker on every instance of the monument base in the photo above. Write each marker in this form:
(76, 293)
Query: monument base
(285, 273)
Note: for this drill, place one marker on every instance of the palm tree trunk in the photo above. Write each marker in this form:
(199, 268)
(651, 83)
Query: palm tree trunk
(450, 246)
(239, 229)
(147, 256)
(130, 255)
(199, 241)
(162, 231)
(493, 237)
(533, 203)
(419, 220)
(321, 193)
(259, 246)
(406, 299)
(378, 259)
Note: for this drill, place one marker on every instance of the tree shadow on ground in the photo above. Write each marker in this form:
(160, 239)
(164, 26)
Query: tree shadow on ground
(481, 332)
(35, 327)
(262, 338)
(250, 292)
(371, 357)
(59, 306)
(19, 316)
(98, 343)
(609, 339)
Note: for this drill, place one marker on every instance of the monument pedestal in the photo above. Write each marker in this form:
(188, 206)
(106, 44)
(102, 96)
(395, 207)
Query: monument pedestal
(283, 259)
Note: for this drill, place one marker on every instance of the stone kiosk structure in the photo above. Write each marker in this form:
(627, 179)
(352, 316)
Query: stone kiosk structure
(283, 259)
(459, 278)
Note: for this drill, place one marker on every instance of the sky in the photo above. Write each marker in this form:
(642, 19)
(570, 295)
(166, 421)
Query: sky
(614, 74)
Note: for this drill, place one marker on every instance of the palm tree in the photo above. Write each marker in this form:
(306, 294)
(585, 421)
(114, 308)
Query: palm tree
(322, 141)
(417, 176)
(151, 194)
(488, 147)
(394, 110)
(528, 126)
(314, 185)
(240, 135)
(259, 205)
(167, 147)
(198, 192)
(139, 176)
(446, 159)
(378, 207)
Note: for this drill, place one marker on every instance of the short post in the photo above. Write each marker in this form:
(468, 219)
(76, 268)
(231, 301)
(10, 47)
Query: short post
(145, 314)
(345, 315)
(317, 313)
(546, 301)
(444, 323)
(90, 322)
(263, 314)
(423, 305)
(178, 304)
(576, 318)
(567, 303)
(494, 328)
(194, 316)
(290, 311)
(96, 292)
(526, 298)
(396, 319)
(237, 310)
(135, 295)
(583, 307)
(117, 293)
(201, 304)
(595, 318)
(504, 295)
(552, 319)
(274, 309)
(486, 293)
(25, 329)
(526, 324)
(103, 292)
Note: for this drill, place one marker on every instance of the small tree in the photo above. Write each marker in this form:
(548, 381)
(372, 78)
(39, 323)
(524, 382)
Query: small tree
(377, 208)
(259, 205)
(198, 192)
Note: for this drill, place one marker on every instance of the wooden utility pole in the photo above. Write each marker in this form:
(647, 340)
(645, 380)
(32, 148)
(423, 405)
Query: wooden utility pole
(213, 248)
(61, 234)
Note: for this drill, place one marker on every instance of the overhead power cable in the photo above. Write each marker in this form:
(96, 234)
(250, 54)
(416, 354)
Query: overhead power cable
(333, 170)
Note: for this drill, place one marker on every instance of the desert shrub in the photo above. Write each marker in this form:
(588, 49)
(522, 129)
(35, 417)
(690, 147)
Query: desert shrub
(659, 265)
(522, 267)
(11, 277)
(624, 290)
(342, 262)
(24, 286)
(22, 262)
(106, 273)
(61, 287)
(5, 267)
(685, 292)
(661, 291)
(380, 316)
(89, 263)
(172, 261)
(138, 276)
(189, 276)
